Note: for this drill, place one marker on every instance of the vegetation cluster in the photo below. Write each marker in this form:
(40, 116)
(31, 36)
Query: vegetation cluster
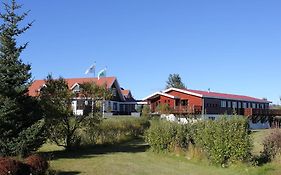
(223, 142)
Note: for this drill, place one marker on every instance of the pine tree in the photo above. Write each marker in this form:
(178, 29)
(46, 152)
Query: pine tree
(20, 124)
(174, 81)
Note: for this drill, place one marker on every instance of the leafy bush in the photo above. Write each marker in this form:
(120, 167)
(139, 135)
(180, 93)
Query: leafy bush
(10, 166)
(163, 109)
(165, 136)
(37, 164)
(225, 140)
(116, 130)
(272, 145)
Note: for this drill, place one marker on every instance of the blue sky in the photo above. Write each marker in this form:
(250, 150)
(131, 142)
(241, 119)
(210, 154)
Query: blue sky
(228, 46)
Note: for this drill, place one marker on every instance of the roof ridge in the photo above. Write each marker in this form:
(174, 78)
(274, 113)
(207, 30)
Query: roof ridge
(220, 93)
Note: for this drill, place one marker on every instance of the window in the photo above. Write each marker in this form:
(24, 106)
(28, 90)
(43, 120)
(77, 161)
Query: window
(234, 104)
(76, 88)
(258, 106)
(249, 105)
(177, 102)
(165, 101)
(229, 104)
(115, 106)
(244, 105)
(239, 104)
(262, 106)
(168, 101)
(223, 104)
(184, 102)
(253, 105)
(114, 92)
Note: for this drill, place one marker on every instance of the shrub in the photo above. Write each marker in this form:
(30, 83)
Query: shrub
(145, 111)
(165, 136)
(163, 109)
(272, 145)
(225, 140)
(10, 166)
(116, 130)
(37, 164)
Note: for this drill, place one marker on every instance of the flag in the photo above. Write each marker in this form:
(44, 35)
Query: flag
(91, 69)
(102, 73)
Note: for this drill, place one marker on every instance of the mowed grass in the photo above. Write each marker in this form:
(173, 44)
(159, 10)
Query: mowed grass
(133, 158)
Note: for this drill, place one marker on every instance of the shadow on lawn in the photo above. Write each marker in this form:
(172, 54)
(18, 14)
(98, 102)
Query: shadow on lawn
(68, 173)
(135, 146)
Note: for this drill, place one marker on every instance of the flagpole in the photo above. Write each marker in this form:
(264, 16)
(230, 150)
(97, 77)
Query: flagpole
(95, 69)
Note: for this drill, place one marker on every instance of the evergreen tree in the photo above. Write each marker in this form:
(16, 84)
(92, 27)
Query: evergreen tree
(174, 81)
(20, 124)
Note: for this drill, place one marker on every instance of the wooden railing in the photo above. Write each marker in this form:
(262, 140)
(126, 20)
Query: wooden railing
(187, 110)
(262, 112)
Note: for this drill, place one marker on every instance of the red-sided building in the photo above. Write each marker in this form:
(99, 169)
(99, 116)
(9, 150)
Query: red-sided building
(188, 101)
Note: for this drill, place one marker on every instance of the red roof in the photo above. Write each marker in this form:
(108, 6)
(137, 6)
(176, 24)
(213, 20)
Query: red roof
(37, 84)
(227, 96)
(217, 95)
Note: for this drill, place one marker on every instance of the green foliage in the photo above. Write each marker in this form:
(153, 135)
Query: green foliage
(225, 140)
(90, 89)
(55, 100)
(174, 81)
(116, 130)
(63, 126)
(164, 136)
(145, 111)
(163, 109)
(19, 113)
(272, 145)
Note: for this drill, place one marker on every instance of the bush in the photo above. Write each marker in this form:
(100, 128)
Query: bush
(10, 166)
(272, 145)
(225, 140)
(164, 136)
(37, 164)
(116, 130)
(145, 111)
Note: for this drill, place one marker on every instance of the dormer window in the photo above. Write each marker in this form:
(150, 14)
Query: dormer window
(41, 88)
(76, 88)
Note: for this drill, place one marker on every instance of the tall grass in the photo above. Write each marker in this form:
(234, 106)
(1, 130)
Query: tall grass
(115, 130)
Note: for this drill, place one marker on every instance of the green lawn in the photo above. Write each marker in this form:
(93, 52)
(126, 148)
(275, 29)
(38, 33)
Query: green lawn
(134, 158)
(258, 137)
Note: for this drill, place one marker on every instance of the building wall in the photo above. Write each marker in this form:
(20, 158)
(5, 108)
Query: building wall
(192, 100)
(213, 106)
(161, 100)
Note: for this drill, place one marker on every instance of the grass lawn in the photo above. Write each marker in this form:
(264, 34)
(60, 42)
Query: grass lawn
(258, 137)
(133, 158)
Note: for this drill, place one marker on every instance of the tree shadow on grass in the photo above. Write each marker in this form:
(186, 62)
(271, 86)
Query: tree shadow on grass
(135, 146)
(68, 173)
